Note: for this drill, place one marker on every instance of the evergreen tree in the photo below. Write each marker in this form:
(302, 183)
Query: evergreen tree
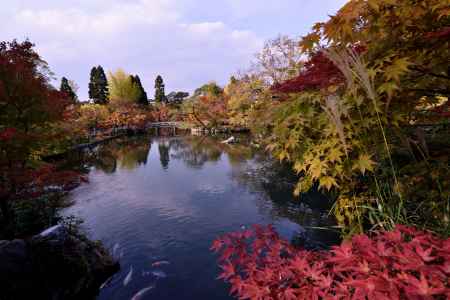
(103, 92)
(160, 95)
(67, 89)
(98, 86)
(143, 100)
(92, 85)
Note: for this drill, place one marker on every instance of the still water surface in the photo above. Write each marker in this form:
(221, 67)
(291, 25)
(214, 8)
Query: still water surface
(167, 198)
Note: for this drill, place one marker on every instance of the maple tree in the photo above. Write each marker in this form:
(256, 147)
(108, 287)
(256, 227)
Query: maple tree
(317, 73)
(405, 263)
(373, 73)
(358, 107)
(241, 97)
(207, 107)
(29, 109)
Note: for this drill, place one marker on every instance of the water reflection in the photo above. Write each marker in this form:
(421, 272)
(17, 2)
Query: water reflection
(127, 154)
(251, 169)
(164, 149)
(133, 154)
(168, 198)
(195, 151)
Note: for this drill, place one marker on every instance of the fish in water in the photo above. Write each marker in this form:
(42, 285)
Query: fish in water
(115, 248)
(141, 293)
(121, 254)
(160, 263)
(159, 274)
(127, 279)
(107, 282)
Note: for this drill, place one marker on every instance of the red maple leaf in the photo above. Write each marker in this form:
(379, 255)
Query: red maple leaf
(228, 271)
(216, 245)
(415, 287)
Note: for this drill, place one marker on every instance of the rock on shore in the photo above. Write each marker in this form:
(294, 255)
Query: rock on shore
(56, 264)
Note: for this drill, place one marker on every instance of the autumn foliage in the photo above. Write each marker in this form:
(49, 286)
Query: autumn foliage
(318, 72)
(405, 263)
(31, 114)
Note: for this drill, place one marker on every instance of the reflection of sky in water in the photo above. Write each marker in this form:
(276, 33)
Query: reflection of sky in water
(172, 207)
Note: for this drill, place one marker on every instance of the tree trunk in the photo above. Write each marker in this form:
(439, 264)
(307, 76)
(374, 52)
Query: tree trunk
(4, 208)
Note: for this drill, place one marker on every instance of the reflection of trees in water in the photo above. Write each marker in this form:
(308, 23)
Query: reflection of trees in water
(274, 183)
(239, 153)
(164, 153)
(105, 160)
(133, 153)
(254, 170)
(195, 151)
(127, 153)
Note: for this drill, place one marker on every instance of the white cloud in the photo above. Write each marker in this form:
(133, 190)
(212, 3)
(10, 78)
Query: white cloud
(188, 42)
(114, 19)
(145, 37)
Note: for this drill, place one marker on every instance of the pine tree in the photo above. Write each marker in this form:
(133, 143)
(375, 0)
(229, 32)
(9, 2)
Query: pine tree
(92, 86)
(98, 86)
(103, 92)
(67, 89)
(160, 95)
(143, 100)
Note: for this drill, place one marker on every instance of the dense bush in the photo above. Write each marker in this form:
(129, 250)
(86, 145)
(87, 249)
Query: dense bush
(401, 264)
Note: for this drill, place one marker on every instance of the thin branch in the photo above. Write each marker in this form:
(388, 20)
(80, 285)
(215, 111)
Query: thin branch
(425, 72)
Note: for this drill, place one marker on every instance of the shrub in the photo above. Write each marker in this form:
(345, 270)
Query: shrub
(401, 264)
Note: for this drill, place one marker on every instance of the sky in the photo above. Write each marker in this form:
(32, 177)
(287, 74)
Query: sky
(187, 42)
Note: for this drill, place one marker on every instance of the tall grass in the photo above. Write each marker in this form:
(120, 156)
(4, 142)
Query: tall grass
(386, 206)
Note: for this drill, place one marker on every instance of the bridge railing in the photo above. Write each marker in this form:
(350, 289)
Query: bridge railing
(163, 124)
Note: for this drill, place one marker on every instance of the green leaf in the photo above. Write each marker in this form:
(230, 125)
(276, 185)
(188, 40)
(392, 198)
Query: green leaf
(364, 163)
(388, 87)
(398, 67)
(335, 155)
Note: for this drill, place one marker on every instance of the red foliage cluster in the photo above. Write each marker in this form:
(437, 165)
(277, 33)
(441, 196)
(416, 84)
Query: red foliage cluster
(214, 105)
(402, 264)
(25, 90)
(7, 134)
(319, 72)
(31, 183)
(443, 33)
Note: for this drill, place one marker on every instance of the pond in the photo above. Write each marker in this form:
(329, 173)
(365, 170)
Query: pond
(153, 199)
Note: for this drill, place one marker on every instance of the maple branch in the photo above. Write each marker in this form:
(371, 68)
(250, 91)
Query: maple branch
(432, 92)
(425, 72)
(196, 118)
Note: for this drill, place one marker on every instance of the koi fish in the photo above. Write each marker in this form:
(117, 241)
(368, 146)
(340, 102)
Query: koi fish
(115, 248)
(141, 293)
(159, 274)
(127, 279)
(107, 282)
(160, 263)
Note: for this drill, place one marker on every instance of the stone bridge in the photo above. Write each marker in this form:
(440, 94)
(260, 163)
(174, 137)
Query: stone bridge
(164, 125)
